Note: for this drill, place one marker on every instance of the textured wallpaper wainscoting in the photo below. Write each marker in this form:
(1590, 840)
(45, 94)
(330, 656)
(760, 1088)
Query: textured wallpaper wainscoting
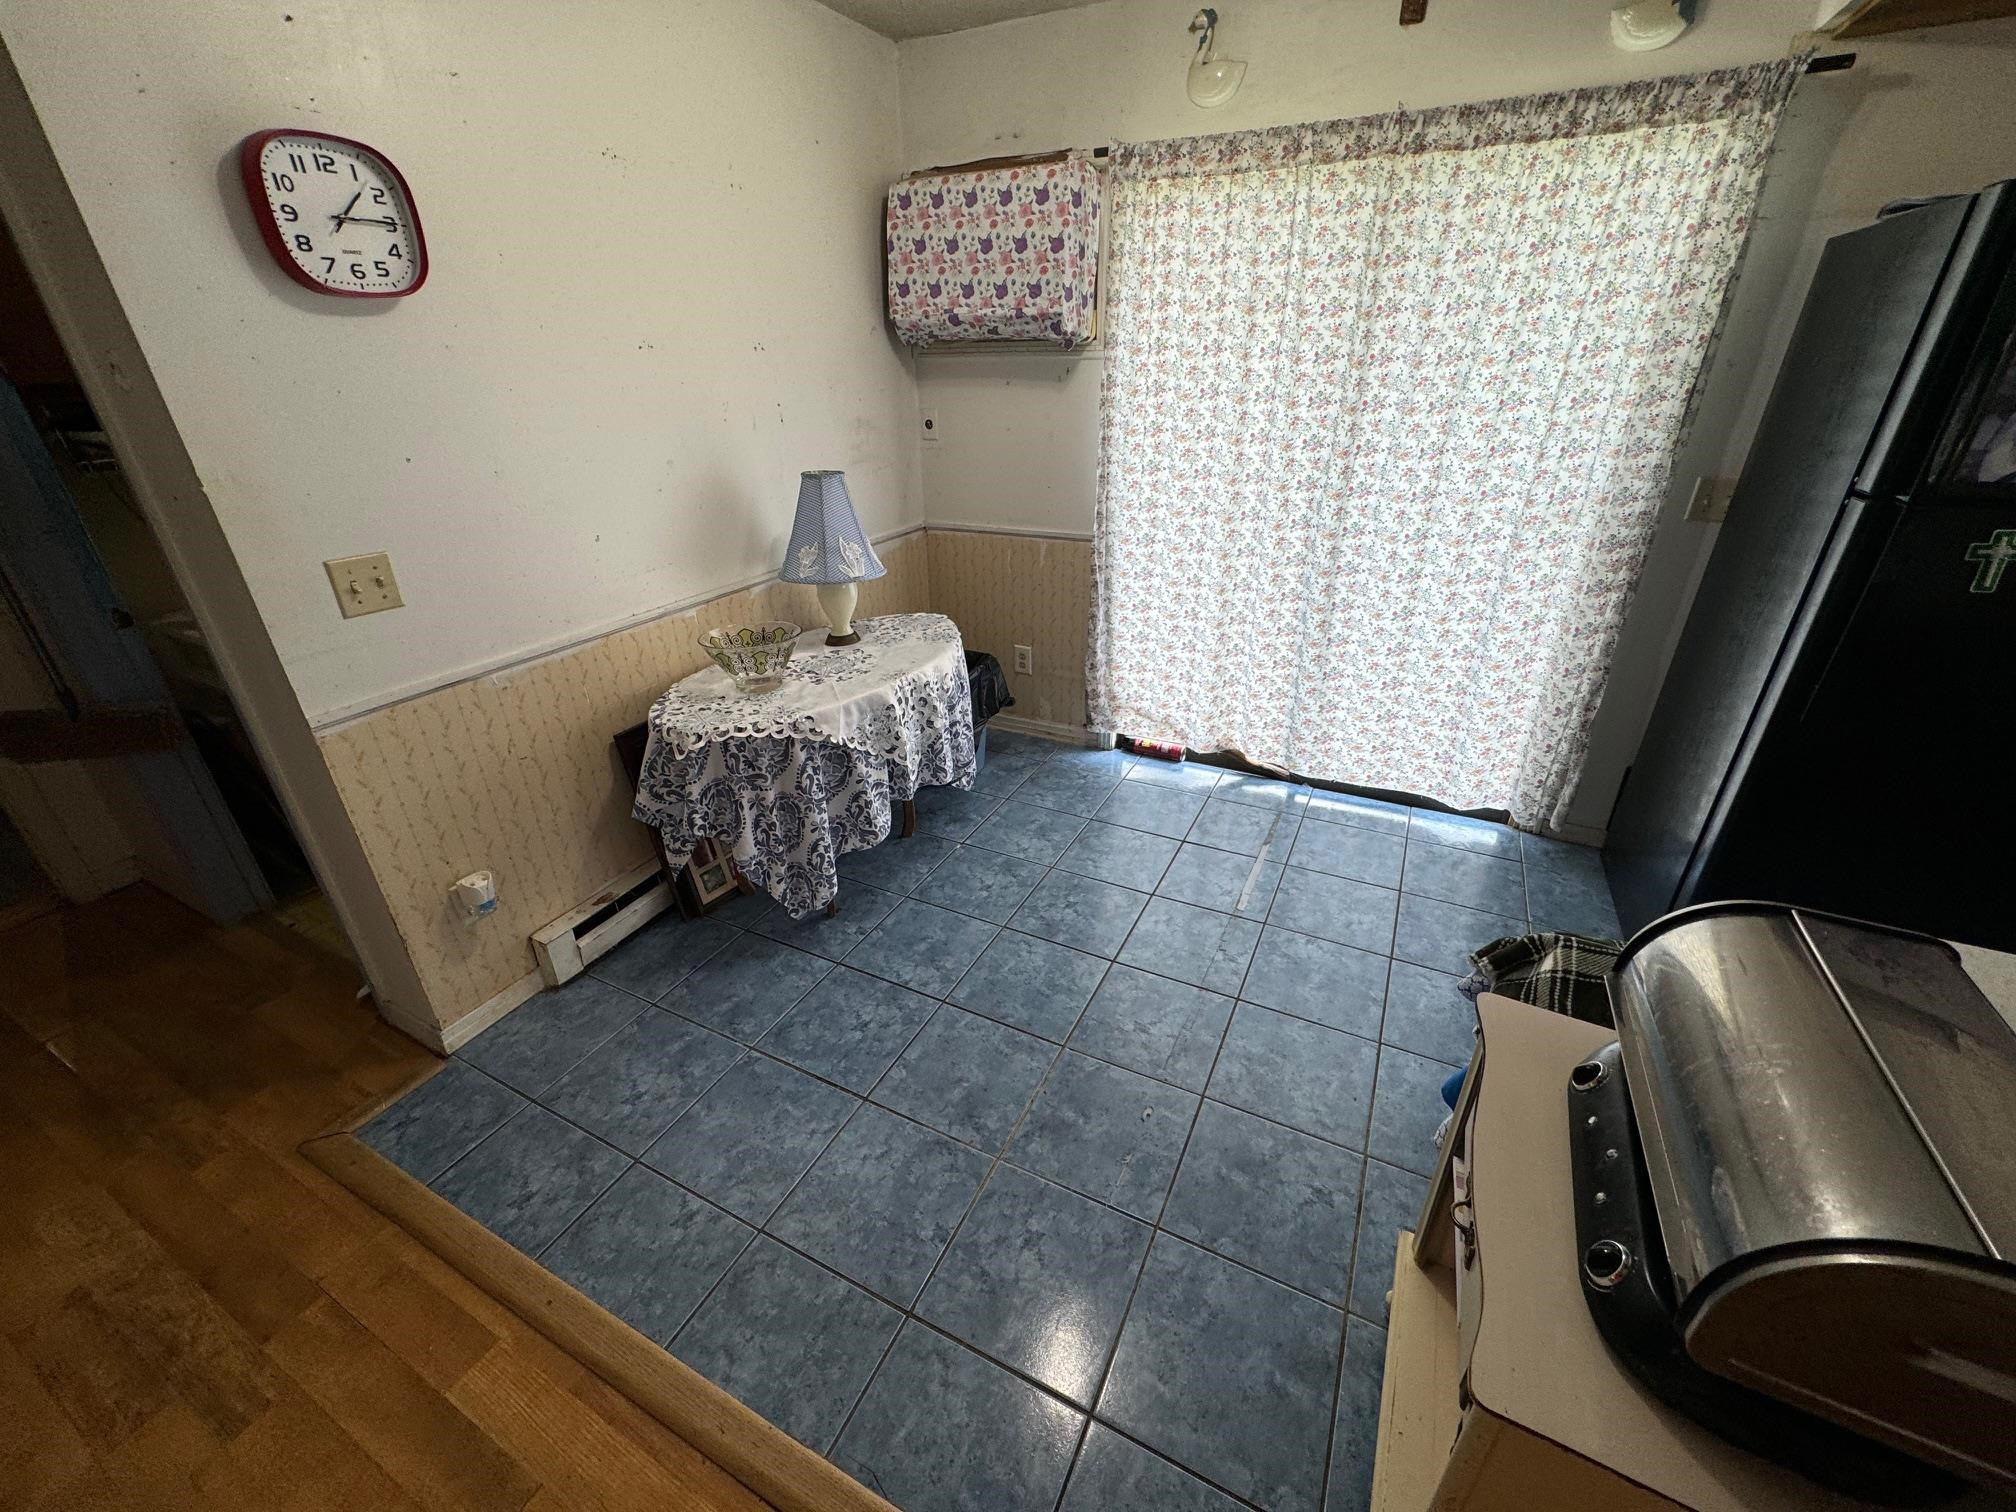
(514, 772)
(1005, 590)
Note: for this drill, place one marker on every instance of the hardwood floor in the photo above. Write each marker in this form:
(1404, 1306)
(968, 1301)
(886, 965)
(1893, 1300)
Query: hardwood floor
(191, 1315)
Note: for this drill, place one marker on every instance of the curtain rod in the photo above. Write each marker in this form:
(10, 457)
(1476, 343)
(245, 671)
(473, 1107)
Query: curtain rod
(1828, 63)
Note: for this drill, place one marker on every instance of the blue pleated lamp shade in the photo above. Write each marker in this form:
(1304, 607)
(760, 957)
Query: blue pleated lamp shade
(827, 542)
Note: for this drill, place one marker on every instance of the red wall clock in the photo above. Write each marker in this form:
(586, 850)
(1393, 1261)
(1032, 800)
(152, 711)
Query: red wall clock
(336, 215)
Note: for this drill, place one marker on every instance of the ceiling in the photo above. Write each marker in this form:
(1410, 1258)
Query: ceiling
(927, 18)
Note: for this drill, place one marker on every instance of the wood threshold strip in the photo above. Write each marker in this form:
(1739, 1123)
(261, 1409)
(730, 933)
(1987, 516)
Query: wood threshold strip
(784, 1472)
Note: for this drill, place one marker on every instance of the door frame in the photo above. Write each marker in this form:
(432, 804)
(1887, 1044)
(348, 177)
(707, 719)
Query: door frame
(83, 304)
(54, 572)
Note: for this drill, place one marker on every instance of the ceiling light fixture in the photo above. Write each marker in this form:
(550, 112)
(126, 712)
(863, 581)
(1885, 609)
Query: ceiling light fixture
(1646, 25)
(1213, 81)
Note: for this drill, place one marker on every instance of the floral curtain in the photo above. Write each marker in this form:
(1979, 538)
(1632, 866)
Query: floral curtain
(1390, 409)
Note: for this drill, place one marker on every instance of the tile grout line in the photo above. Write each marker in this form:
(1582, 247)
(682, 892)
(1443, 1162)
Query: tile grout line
(1397, 889)
(762, 1231)
(1071, 1464)
(910, 1312)
(1154, 1228)
(1364, 1179)
(907, 1313)
(753, 1048)
(1128, 937)
(537, 1100)
(1360, 1155)
(999, 1156)
(458, 1158)
(515, 1115)
(1364, 1184)
(1365, 1172)
(1366, 1160)
(1163, 1455)
(759, 1230)
(1406, 834)
(633, 1160)
(1156, 1231)
(570, 1067)
(1235, 997)
(1241, 1002)
(1337, 1385)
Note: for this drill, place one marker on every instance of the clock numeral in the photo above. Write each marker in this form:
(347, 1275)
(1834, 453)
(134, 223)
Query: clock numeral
(393, 250)
(302, 241)
(288, 213)
(284, 182)
(298, 163)
(357, 272)
(383, 270)
(324, 163)
(328, 265)
(377, 196)
(355, 174)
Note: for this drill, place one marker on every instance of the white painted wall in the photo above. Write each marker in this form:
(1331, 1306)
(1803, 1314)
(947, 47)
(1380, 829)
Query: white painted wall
(655, 298)
(1116, 71)
(1017, 433)
(656, 291)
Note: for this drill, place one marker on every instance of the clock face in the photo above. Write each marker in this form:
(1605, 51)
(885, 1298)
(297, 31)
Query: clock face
(336, 216)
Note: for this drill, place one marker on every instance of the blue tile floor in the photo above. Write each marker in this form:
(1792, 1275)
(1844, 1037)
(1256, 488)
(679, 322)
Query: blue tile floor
(1062, 1169)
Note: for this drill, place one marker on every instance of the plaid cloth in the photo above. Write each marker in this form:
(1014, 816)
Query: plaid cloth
(1562, 973)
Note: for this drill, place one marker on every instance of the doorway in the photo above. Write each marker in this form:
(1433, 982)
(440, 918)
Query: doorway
(24, 890)
(123, 684)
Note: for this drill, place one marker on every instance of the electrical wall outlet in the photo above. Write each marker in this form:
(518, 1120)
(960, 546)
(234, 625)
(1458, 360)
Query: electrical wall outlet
(1025, 659)
(363, 584)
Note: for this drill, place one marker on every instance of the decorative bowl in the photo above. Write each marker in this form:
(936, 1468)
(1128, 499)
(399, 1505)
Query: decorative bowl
(754, 655)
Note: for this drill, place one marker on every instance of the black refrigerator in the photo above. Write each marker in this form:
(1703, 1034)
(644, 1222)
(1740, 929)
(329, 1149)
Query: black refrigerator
(1838, 726)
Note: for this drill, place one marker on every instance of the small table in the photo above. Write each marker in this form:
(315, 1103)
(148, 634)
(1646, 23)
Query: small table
(793, 779)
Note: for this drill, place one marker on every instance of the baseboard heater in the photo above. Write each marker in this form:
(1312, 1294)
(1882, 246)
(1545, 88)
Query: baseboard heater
(581, 935)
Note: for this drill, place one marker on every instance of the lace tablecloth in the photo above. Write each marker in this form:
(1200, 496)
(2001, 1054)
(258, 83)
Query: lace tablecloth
(793, 779)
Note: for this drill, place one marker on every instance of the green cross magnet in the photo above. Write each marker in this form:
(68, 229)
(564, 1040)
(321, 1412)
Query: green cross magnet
(1994, 554)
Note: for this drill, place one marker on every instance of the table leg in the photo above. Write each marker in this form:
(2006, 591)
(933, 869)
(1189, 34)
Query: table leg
(909, 817)
(833, 909)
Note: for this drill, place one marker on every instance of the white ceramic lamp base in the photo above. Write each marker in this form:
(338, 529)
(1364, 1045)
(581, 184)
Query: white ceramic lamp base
(836, 602)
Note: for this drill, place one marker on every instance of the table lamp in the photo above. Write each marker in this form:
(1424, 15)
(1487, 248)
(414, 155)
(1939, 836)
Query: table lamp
(829, 548)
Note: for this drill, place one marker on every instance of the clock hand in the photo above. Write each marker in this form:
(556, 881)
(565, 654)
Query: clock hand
(344, 214)
(368, 220)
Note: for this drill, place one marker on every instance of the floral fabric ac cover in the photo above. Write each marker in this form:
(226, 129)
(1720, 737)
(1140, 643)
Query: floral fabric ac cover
(793, 780)
(1009, 254)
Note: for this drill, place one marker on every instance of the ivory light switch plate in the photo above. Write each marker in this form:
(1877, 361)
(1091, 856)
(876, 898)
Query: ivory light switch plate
(364, 584)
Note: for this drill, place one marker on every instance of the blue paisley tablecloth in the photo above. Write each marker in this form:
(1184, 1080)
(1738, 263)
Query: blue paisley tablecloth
(793, 779)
